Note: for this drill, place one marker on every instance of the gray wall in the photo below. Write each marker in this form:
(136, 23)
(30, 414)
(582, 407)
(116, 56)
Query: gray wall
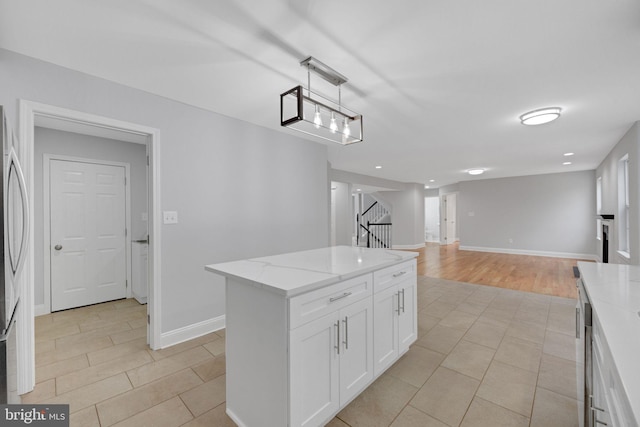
(407, 215)
(51, 141)
(608, 170)
(552, 213)
(240, 190)
(341, 213)
(372, 181)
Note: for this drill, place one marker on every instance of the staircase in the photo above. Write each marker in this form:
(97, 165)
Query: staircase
(374, 224)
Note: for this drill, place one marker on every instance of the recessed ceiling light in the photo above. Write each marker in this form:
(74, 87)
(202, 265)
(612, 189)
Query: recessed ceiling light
(358, 189)
(568, 154)
(566, 163)
(378, 167)
(541, 116)
(426, 186)
(475, 171)
(432, 180)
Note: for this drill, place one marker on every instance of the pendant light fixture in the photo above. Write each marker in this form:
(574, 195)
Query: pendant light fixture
(333, 126)
(298, 105)
(317, 118)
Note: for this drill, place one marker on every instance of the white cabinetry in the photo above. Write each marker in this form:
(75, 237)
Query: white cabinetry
(600, 412)
(609, 403)
(395, 313)
(331, 362)
(300, 330)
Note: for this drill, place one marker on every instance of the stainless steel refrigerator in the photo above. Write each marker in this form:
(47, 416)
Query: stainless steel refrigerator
(14, 230)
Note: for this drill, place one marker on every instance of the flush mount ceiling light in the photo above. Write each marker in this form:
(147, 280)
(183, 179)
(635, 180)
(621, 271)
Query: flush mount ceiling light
(475, 171)
(541, 116)
(313, 114)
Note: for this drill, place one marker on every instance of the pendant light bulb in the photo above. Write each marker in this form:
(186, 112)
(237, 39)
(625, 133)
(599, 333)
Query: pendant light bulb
(333, 126)
(346, 130)
(317, 119)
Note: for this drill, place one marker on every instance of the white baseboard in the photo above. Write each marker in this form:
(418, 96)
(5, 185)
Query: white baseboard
(170, 338)
(186, 333)
(40, 310)
(590, 257)
(416, 246)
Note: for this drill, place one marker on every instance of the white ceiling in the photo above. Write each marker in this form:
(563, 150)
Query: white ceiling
(440, 83)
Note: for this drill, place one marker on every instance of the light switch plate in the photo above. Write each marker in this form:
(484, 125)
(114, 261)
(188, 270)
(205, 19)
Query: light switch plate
(170, 217)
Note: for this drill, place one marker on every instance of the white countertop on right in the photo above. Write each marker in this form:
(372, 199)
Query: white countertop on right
(614, 293)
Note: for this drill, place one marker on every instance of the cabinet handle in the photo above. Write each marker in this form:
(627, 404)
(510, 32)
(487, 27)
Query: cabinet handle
(399, 274)
(577, 322)
(403, 300)
(398, 303)
(601, 422)
(337, 325)
(346, 333)
(595, 408)
(346, 294)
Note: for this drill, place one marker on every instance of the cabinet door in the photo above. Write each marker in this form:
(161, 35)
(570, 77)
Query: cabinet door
(314, 371)
(407, 318)
(599, 406)
(356, 348)
(385, 325)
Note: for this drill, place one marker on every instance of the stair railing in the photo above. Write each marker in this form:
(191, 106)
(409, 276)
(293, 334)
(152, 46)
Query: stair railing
(378, 234)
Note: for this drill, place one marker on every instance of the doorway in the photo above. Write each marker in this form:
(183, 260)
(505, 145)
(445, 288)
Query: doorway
(34, 114)
(449, 230)
(432, 219)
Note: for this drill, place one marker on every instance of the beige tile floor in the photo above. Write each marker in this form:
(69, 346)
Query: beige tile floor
(485, 356)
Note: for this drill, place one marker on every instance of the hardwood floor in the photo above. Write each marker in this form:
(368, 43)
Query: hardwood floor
(542, 275)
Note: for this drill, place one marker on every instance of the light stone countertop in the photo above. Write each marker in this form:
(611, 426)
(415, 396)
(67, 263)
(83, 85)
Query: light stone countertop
(299, 272)
(614, 293)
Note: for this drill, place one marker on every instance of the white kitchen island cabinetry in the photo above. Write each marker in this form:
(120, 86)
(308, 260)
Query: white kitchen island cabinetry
(395, 319)
(331, 362)
(300, 330)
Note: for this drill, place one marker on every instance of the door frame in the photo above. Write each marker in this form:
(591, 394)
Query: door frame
(46, 194)
(29, 113)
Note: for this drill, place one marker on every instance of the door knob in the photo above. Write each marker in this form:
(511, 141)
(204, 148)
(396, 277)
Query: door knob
(57, 247)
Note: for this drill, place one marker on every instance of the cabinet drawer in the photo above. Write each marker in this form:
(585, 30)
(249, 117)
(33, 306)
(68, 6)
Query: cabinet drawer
(390, 276)
(315, 304)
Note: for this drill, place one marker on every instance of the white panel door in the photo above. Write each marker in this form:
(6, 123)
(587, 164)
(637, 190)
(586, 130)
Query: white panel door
(88, 220)
(450, 218)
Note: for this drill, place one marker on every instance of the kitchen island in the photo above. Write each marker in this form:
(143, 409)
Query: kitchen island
(306, 332)
(613, 292)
